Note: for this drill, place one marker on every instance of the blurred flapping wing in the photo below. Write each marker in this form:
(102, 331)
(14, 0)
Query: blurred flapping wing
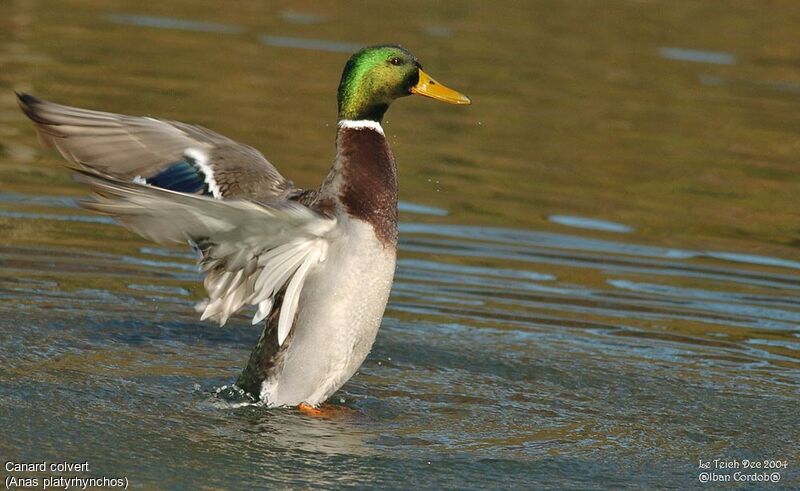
(251, 252)
(167, 154)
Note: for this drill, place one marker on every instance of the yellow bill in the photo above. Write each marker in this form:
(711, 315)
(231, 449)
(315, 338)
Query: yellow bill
(433, 89)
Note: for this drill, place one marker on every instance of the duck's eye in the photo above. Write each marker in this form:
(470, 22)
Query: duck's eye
(395, 61)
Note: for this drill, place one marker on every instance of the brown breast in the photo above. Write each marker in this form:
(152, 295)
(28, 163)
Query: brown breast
(369, 189)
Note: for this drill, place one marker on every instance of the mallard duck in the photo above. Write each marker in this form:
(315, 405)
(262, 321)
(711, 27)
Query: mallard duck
(316, 264)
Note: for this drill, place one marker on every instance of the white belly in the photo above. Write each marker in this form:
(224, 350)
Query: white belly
(339, 313)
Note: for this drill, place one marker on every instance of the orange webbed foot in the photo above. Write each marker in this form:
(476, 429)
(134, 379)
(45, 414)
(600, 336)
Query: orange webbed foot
(326, 411)
(309, 410)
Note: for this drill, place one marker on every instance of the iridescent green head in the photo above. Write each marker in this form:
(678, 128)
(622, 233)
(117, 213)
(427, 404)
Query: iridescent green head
(374, 77)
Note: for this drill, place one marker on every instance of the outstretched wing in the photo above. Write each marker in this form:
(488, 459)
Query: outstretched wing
(167, 154)
(252, 252)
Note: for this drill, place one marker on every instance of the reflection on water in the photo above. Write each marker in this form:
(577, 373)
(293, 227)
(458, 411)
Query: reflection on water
(171, 23)
(280, 41)
(296, 17)
(598, 268)
(311, 44)
(590, 223)
(698, 56)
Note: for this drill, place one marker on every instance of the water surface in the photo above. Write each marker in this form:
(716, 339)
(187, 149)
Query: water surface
(599, 267)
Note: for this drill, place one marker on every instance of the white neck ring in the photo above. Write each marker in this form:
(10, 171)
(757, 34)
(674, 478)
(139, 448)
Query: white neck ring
(361, 124)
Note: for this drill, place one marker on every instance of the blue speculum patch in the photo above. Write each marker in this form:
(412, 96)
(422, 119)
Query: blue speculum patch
(183, 176)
